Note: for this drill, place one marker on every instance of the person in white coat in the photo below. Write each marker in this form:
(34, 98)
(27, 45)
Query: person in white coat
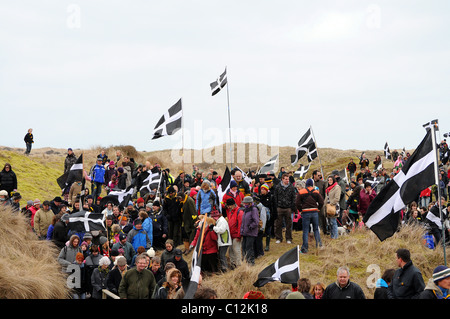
(222, 230)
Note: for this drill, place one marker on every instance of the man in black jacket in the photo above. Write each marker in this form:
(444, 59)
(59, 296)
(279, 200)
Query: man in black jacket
(343, 288)
(284, 199)
(407, 282)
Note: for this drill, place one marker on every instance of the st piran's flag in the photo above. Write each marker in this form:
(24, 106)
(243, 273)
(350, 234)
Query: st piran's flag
(74, 174)
(387, 152)
(224, 186)
(301, 171)
(306, 145)
(84, 221)
(269, 166)
(118, 197)
(170, 122)
(218, 84)
(285, 269)
(151, 182)
(383, 214)
(196, 263)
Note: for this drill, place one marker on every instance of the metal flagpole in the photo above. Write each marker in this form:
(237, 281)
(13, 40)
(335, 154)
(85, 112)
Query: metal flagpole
(182, 137)
(317, 148)
(229, 122)
(436, 177)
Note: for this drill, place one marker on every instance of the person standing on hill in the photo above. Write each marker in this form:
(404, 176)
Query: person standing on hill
(309, 202)
(70, 160)
(284, 199)
(8, 179)
(28, 141)
(43, 219)
(97, 178)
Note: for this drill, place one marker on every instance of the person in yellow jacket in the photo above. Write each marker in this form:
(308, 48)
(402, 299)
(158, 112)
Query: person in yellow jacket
(43, 219)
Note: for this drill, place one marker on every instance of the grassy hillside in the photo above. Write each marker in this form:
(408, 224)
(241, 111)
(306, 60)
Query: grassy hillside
(38, 172)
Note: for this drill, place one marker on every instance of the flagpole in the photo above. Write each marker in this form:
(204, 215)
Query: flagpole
(229, 121)
(436, 177)
(317, 148)
(182, 139)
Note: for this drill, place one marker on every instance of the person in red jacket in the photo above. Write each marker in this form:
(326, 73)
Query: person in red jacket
(233, 193)
(234, 222)
(210, 248)
(425, 197)
(366, 196)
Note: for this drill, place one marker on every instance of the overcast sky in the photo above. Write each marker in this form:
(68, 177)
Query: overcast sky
(89, 73)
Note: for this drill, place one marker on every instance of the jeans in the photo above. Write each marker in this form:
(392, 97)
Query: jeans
(308, 218)
(96, 190)
(333, 228)
(284, 215)
(223, 258)
(248, 249)
(28, 148)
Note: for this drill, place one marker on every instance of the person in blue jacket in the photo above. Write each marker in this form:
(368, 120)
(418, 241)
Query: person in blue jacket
(138, 236)
(147, 225)
(206, 199)
(97, 178)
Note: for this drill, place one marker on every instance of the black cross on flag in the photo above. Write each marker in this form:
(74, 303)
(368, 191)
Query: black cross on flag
(170, 122)
(218, 84)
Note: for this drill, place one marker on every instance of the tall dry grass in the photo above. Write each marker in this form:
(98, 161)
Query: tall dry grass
(28, 266)
(358, 251)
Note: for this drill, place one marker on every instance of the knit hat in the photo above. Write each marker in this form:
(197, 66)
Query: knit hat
(231, 201)
(265, 186)
(440, 272)
(193, 192)
(233, 184)
(309, 182)
(254, 295)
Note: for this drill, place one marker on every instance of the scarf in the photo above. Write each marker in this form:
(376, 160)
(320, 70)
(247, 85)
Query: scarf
(330, 187)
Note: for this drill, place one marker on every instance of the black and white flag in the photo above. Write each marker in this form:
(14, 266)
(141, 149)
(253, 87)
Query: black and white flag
(434, 123)
(387, 152)
(285, 269)
(196, 263)
(223, 186)
(74, 174)
(218, 84)
(84, 221)
(270, 165)
(170, 122)
(118, 197)
(383, 214)
(151, 182)
(306, 145)
(301, 171)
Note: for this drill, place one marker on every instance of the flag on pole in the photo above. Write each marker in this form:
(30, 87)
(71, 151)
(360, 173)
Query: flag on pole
(301, 171)
(170, 122)
(383, 214)
(270, 165)
(285, 269)
(74, 174)
(196, 262)
(218, 84)
(151, 182)
(223, 186)
(387, 152)
(306, 145)
(84, 221)
(118, 197)
(434, 123)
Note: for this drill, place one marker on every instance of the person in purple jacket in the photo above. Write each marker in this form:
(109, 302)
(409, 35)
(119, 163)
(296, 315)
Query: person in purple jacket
(249, 229)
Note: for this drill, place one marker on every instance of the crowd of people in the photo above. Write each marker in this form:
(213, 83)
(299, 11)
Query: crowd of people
(137, 256)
